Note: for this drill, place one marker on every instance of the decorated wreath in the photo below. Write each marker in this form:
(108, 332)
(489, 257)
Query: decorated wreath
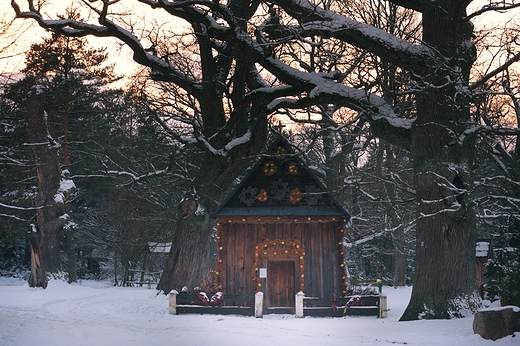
(248, 195)
(279, 189)
(295, 196)
(293, 168)
(262, 195)
(269, 168)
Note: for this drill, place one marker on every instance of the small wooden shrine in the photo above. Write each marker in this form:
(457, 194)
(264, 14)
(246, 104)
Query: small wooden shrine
(279, 232)
(484, 252)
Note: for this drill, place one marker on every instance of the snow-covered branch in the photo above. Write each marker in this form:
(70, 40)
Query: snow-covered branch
(136, 177)
(18, 208)
(108, 28)
(315, 20)
(12, 217)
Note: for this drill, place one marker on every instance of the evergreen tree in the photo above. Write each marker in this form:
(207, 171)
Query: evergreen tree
(73, 74)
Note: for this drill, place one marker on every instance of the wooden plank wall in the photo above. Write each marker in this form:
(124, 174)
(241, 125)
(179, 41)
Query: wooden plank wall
(238, 237)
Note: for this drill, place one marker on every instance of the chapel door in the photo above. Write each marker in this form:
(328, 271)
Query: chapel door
(280, 283)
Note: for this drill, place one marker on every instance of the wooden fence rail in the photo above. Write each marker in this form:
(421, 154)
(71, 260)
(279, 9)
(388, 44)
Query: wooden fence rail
(248, 305)
(144, 277)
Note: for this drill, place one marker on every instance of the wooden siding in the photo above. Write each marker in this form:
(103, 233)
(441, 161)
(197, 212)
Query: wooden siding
(309, 242)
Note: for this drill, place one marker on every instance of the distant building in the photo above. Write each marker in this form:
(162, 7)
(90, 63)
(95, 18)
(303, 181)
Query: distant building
(159, 247)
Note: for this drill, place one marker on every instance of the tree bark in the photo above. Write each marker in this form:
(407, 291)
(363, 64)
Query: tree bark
(188, 260)
(37, 277)
(48, 176)
(396, 222)
(71, 256)
(445, 271)
(70, 243)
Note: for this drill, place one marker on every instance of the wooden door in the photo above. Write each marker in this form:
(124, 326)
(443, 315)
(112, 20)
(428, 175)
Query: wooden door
(280, 283)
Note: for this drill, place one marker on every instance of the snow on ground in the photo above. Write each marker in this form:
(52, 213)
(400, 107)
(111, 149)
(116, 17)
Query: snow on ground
(94, 313)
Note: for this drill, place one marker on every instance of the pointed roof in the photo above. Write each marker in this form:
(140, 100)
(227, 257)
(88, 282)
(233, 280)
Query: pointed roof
(280, 184)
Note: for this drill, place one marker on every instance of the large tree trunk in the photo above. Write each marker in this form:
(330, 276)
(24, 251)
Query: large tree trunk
(71, 256)
(48, 175)
(445, 275)
(188, 260)
(396, 222)
(37, 277)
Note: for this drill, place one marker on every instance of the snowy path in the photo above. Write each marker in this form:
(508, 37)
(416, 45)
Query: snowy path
(93, 314)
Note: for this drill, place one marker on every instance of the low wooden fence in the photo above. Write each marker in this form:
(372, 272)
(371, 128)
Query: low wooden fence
(372, 305)
(142, 277)
(190, 303)
(252, 305)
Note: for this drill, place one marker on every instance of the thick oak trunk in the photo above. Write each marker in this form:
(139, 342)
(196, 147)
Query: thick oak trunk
(445, 276)
(37, 277)
(48, 176)
(188, 260)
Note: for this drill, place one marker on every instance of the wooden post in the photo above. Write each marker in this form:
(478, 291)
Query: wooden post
(259, 305)
(299, 304)
(383, 310)
(172, 302)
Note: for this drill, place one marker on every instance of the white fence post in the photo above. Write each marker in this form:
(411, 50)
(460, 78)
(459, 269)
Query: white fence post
(259, 305)
(299, 304)
(383, 309)
(172, 302)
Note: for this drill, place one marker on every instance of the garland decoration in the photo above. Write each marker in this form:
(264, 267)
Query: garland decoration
(342, 270)
(282, 249)
(221, 255)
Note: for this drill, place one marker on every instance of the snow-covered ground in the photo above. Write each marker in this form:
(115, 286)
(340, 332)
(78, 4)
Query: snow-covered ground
(94, 313)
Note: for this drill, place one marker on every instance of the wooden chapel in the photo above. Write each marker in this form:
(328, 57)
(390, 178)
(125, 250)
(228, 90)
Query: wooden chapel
(279, 232)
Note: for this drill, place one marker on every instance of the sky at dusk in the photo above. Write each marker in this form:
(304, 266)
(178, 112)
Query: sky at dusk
(26, 32)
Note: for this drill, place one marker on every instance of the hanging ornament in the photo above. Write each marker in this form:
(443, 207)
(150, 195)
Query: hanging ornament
(280, 150)
(269, 168)
(293, 168)
(262, 195)
(295, 196)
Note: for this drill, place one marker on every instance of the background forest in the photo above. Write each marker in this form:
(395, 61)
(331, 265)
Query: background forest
(134, 156)
(104, 138)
